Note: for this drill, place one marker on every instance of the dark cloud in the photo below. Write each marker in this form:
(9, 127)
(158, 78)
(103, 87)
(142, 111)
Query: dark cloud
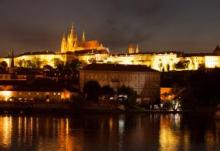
(162, 24)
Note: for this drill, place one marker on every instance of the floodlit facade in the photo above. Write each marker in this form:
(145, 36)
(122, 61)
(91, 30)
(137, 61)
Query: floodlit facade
(72, 43)
(145, 81)
(9, 93)
(164, 61)
(89, 51)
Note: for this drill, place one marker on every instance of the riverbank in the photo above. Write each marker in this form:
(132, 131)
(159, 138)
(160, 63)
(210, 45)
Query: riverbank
(68, 107)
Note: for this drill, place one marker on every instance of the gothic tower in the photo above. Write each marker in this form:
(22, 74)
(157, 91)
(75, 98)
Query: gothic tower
(137, 49)
(70, 38)
(83, 37)
(63, 44)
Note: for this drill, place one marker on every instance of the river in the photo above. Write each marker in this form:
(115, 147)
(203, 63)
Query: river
(117, 132)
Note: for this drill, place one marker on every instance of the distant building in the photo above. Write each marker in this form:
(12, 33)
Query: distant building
(145, 81)
(8, 77)
(24, 93)
(217, 50)
(71, 43)
(167, 94)
(75, 47)
(133, 49)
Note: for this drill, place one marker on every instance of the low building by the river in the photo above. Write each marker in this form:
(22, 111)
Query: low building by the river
(145, 81)
(25, 94)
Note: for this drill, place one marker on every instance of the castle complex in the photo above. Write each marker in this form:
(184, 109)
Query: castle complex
(90, 51)
(72, 43)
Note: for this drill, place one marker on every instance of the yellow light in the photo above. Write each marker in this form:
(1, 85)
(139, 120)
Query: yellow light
(6, 94)
(65, 95)
(5, 134)
(212, 61)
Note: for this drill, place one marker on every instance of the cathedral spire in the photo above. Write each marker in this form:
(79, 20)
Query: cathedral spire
(63, 43)
(12, 59)
(71, 38)
(72, 29)
(64, 36)
(83, 36)
(137, 49)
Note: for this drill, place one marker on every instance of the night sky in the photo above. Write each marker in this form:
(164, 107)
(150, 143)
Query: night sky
(33, 25)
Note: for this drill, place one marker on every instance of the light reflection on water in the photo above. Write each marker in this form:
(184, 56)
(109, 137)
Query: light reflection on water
(137, 132)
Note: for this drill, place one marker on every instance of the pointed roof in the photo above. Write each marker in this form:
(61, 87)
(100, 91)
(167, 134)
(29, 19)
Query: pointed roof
(217, 49)
(64, 36)
(118, 67)
(137, 49)
(83, 36)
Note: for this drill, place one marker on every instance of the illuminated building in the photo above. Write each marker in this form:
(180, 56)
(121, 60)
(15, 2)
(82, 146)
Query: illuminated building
(71, 49)
(145, 81)
(19, 93)
(167, 94)
(71, 43)
(161, 61)
(133, 49)
(89, 51)
(169, 61)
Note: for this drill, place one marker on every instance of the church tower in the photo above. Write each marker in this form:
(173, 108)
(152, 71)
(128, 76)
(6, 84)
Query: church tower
(137, 49)
(70, 39)
(71, 42)
(83, 37)
(63, 44)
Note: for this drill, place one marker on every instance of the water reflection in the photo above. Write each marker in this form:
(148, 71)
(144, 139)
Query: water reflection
(109, 132)
(171, 137)
(5, 134)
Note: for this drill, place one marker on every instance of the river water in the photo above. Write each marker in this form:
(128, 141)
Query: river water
(123, 132)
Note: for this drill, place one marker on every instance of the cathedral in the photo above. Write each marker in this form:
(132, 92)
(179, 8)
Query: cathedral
(72, 43)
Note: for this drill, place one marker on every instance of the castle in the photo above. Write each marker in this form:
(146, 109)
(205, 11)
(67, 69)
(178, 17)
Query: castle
(71, 42)
(90, 51)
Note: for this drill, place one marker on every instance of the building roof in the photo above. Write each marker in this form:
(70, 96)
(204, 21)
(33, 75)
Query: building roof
(198, 54)
(90, 51)
(37, 85)
(217, 49)
(38, 53)
(118, 67)
(147, 53)
(29, 88)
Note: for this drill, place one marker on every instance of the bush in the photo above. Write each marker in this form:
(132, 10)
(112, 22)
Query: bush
(77, 101)
(131, 95)
(92, 90)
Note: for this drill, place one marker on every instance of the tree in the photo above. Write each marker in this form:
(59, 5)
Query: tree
(106, 91)
(36, 62)
(72, 70)
(48, 68)
(58, 62)
(3, 66)
(29, 64)
(21, 63)
(74, 65)
(92, 90)
(130, 93)
(182, 64)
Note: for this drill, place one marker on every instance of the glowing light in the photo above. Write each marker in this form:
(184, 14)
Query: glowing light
(212, 61)
(65, 95)
(5, 133)
(5, 95)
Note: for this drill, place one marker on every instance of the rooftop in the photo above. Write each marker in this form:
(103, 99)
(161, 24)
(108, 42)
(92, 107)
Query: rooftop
(118, 67)
(37, 85)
